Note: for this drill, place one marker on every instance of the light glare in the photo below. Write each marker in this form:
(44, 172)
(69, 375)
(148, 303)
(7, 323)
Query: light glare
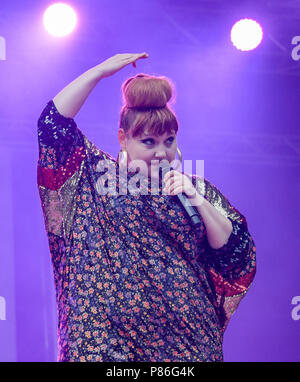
(60, 19)
(246, 34)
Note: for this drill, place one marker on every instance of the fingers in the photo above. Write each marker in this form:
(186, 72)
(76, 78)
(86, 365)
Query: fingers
(169, 174)
(176, 188)
(175, 182)
(141, 55)
(172, 181)
(135, 57)
(173, 188)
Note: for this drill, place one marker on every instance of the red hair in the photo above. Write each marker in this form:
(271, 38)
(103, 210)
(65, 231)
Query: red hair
(146, 106)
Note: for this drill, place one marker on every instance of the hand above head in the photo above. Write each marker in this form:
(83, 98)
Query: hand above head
(70, 99)
(118, 61)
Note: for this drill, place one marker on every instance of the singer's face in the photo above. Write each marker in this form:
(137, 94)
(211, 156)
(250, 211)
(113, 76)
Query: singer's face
(151, 148)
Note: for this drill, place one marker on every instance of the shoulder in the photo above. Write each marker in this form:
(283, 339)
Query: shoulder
(216, 197)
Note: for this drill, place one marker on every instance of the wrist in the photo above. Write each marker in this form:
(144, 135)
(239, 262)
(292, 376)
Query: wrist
(196, 199)
(95, 74)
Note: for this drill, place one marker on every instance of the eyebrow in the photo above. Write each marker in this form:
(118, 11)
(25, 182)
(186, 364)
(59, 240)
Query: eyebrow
(154, 136)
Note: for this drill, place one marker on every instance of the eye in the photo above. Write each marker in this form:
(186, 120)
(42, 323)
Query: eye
(148, 140)
(170, 140)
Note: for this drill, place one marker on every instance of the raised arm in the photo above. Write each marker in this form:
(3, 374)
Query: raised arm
(70, 99)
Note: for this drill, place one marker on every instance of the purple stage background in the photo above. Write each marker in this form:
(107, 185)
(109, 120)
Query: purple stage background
(237, 111)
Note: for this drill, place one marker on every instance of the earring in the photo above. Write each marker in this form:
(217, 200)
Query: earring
(122, 159)
(179, 164)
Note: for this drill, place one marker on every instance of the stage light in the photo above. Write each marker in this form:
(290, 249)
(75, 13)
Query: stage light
(59, 19)
(246, 34)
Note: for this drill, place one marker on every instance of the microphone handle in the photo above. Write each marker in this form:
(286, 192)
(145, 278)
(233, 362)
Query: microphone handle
(191, 211)
(184, 201)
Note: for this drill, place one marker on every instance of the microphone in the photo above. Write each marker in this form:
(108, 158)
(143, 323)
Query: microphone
(182, 199)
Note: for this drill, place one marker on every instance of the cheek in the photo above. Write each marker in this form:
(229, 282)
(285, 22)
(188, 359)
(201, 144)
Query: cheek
(172, 153)
(138, 152)
(144, 153)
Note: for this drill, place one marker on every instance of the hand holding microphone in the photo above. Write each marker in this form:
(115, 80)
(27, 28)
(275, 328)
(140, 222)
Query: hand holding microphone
(179, 185)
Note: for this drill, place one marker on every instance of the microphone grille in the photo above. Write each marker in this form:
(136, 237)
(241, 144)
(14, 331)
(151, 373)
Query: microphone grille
(165, 165)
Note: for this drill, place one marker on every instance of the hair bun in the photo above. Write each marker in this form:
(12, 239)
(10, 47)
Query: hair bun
(144, 92)
(147, 93)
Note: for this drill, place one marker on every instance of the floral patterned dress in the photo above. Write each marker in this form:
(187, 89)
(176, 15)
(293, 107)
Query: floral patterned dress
(134, 280)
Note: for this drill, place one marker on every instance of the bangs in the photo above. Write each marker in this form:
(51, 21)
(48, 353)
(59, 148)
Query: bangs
(154, 122)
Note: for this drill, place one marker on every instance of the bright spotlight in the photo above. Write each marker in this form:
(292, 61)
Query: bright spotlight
(246, 34)
(59, 19)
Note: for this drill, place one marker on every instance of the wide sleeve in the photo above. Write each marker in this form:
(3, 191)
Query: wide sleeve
(61, 147)
(232, 267)
(62, 153)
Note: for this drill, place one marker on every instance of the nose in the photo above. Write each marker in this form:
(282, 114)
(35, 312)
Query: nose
(160, 154)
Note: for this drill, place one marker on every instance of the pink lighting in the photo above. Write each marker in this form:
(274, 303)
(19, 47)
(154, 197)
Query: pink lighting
(246, 34)
(59, 19)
